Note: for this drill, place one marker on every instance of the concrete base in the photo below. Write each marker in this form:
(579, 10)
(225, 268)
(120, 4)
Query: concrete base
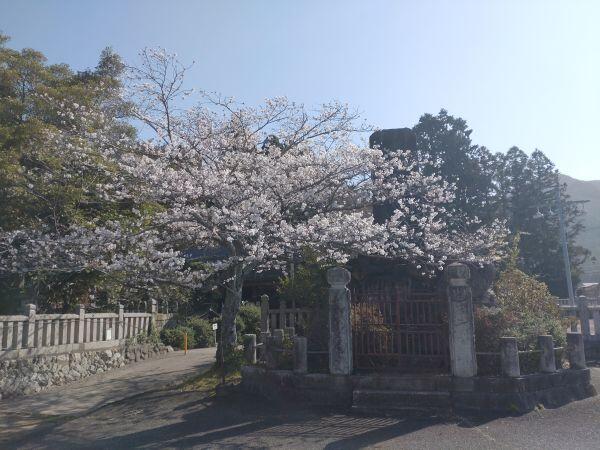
(387, 393)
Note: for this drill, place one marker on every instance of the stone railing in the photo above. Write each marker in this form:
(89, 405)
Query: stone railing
(42, 334)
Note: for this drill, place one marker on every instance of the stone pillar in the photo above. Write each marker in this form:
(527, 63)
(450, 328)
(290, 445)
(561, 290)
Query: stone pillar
(264, 313)
(153, 314)
(576, 351)
(460, 317)
(278, 335)
(121, 322)
(262, 350)
(300, 355)
(509, 357)
(250, 348)
(547, 358)
(274, 348)
(31, 309)
(282, 314)
(271, 354)
(81, 325)
(340, 328)
(584, 315)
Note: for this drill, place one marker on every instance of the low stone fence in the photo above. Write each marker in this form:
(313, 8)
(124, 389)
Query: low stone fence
(33, 374)
(24, 336)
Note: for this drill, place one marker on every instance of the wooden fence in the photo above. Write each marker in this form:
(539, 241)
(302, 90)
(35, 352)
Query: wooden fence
(40, 334)
(282, 317)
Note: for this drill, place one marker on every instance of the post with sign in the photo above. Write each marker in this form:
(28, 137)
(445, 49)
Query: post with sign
(214, 327)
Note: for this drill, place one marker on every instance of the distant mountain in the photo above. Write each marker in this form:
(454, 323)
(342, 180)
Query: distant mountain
(590, 237)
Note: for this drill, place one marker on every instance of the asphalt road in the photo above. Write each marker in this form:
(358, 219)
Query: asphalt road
(174, 419)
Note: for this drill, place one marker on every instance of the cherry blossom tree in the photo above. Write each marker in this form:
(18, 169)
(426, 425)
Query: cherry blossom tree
(261, 183)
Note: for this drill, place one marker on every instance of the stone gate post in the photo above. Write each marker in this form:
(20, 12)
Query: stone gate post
(81, 325)
(153, 314)
(460, 321)
(340, 328)
(264, 313)
(31, 310)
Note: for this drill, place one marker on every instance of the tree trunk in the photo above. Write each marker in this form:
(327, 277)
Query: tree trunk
(231, 306)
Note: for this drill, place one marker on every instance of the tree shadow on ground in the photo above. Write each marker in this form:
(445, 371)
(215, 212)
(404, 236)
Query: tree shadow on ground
(240, 420)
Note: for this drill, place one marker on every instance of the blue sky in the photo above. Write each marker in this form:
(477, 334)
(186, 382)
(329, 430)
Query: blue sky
(523, 73)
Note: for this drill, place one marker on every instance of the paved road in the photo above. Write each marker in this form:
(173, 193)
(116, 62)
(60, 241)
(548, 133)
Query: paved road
(96, 391)
(175, 419)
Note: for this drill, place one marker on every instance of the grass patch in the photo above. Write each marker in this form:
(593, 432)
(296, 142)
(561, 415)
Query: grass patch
(209, 380)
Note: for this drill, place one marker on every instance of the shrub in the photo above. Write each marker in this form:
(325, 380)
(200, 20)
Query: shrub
(152, 338)
(203, 332)
(249, 316)
(525, 310)
(175, 336)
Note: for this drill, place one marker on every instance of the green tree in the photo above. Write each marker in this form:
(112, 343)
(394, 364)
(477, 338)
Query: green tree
(514, 187)
(38, 189)
(446, 140)
(527, 187)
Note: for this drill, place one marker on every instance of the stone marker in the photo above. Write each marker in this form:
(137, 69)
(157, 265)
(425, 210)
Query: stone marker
(547, 358)
(340, 329)
(264, 313)
(576, 351)
(463, 360)
(300, 355)
(509, 357)
(250, 348)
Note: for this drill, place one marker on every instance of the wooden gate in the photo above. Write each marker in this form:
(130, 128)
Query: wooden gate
(400, 326)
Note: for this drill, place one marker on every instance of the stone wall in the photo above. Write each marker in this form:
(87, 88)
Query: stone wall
(31, 375)
(480, 394)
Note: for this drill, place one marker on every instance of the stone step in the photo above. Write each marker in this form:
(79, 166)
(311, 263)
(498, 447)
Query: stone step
(403, 382)
(389, 400)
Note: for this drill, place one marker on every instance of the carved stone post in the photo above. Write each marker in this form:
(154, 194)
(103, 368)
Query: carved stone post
(31, 309)
(264, 313)
(576, 351)
(81, 324)
(547, 358)
(584, 315)
(509, 357)
(460, 317)
(121, 324)
(262, 350)
(153, 314)
(250, 348)
(340, 328)
(300, 355)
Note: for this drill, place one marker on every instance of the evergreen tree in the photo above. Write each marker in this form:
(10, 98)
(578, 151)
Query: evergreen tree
(36, 189)
(446, 140)
(515, 187)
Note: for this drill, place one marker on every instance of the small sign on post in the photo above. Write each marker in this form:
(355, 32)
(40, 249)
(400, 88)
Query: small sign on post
(215, 326)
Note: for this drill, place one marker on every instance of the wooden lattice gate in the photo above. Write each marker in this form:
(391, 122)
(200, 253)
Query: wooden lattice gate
(399, 326)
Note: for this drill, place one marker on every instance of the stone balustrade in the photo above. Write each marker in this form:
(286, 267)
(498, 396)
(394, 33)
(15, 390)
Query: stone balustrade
(41, 334)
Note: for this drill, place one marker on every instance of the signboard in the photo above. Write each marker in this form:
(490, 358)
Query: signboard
(215, 326)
